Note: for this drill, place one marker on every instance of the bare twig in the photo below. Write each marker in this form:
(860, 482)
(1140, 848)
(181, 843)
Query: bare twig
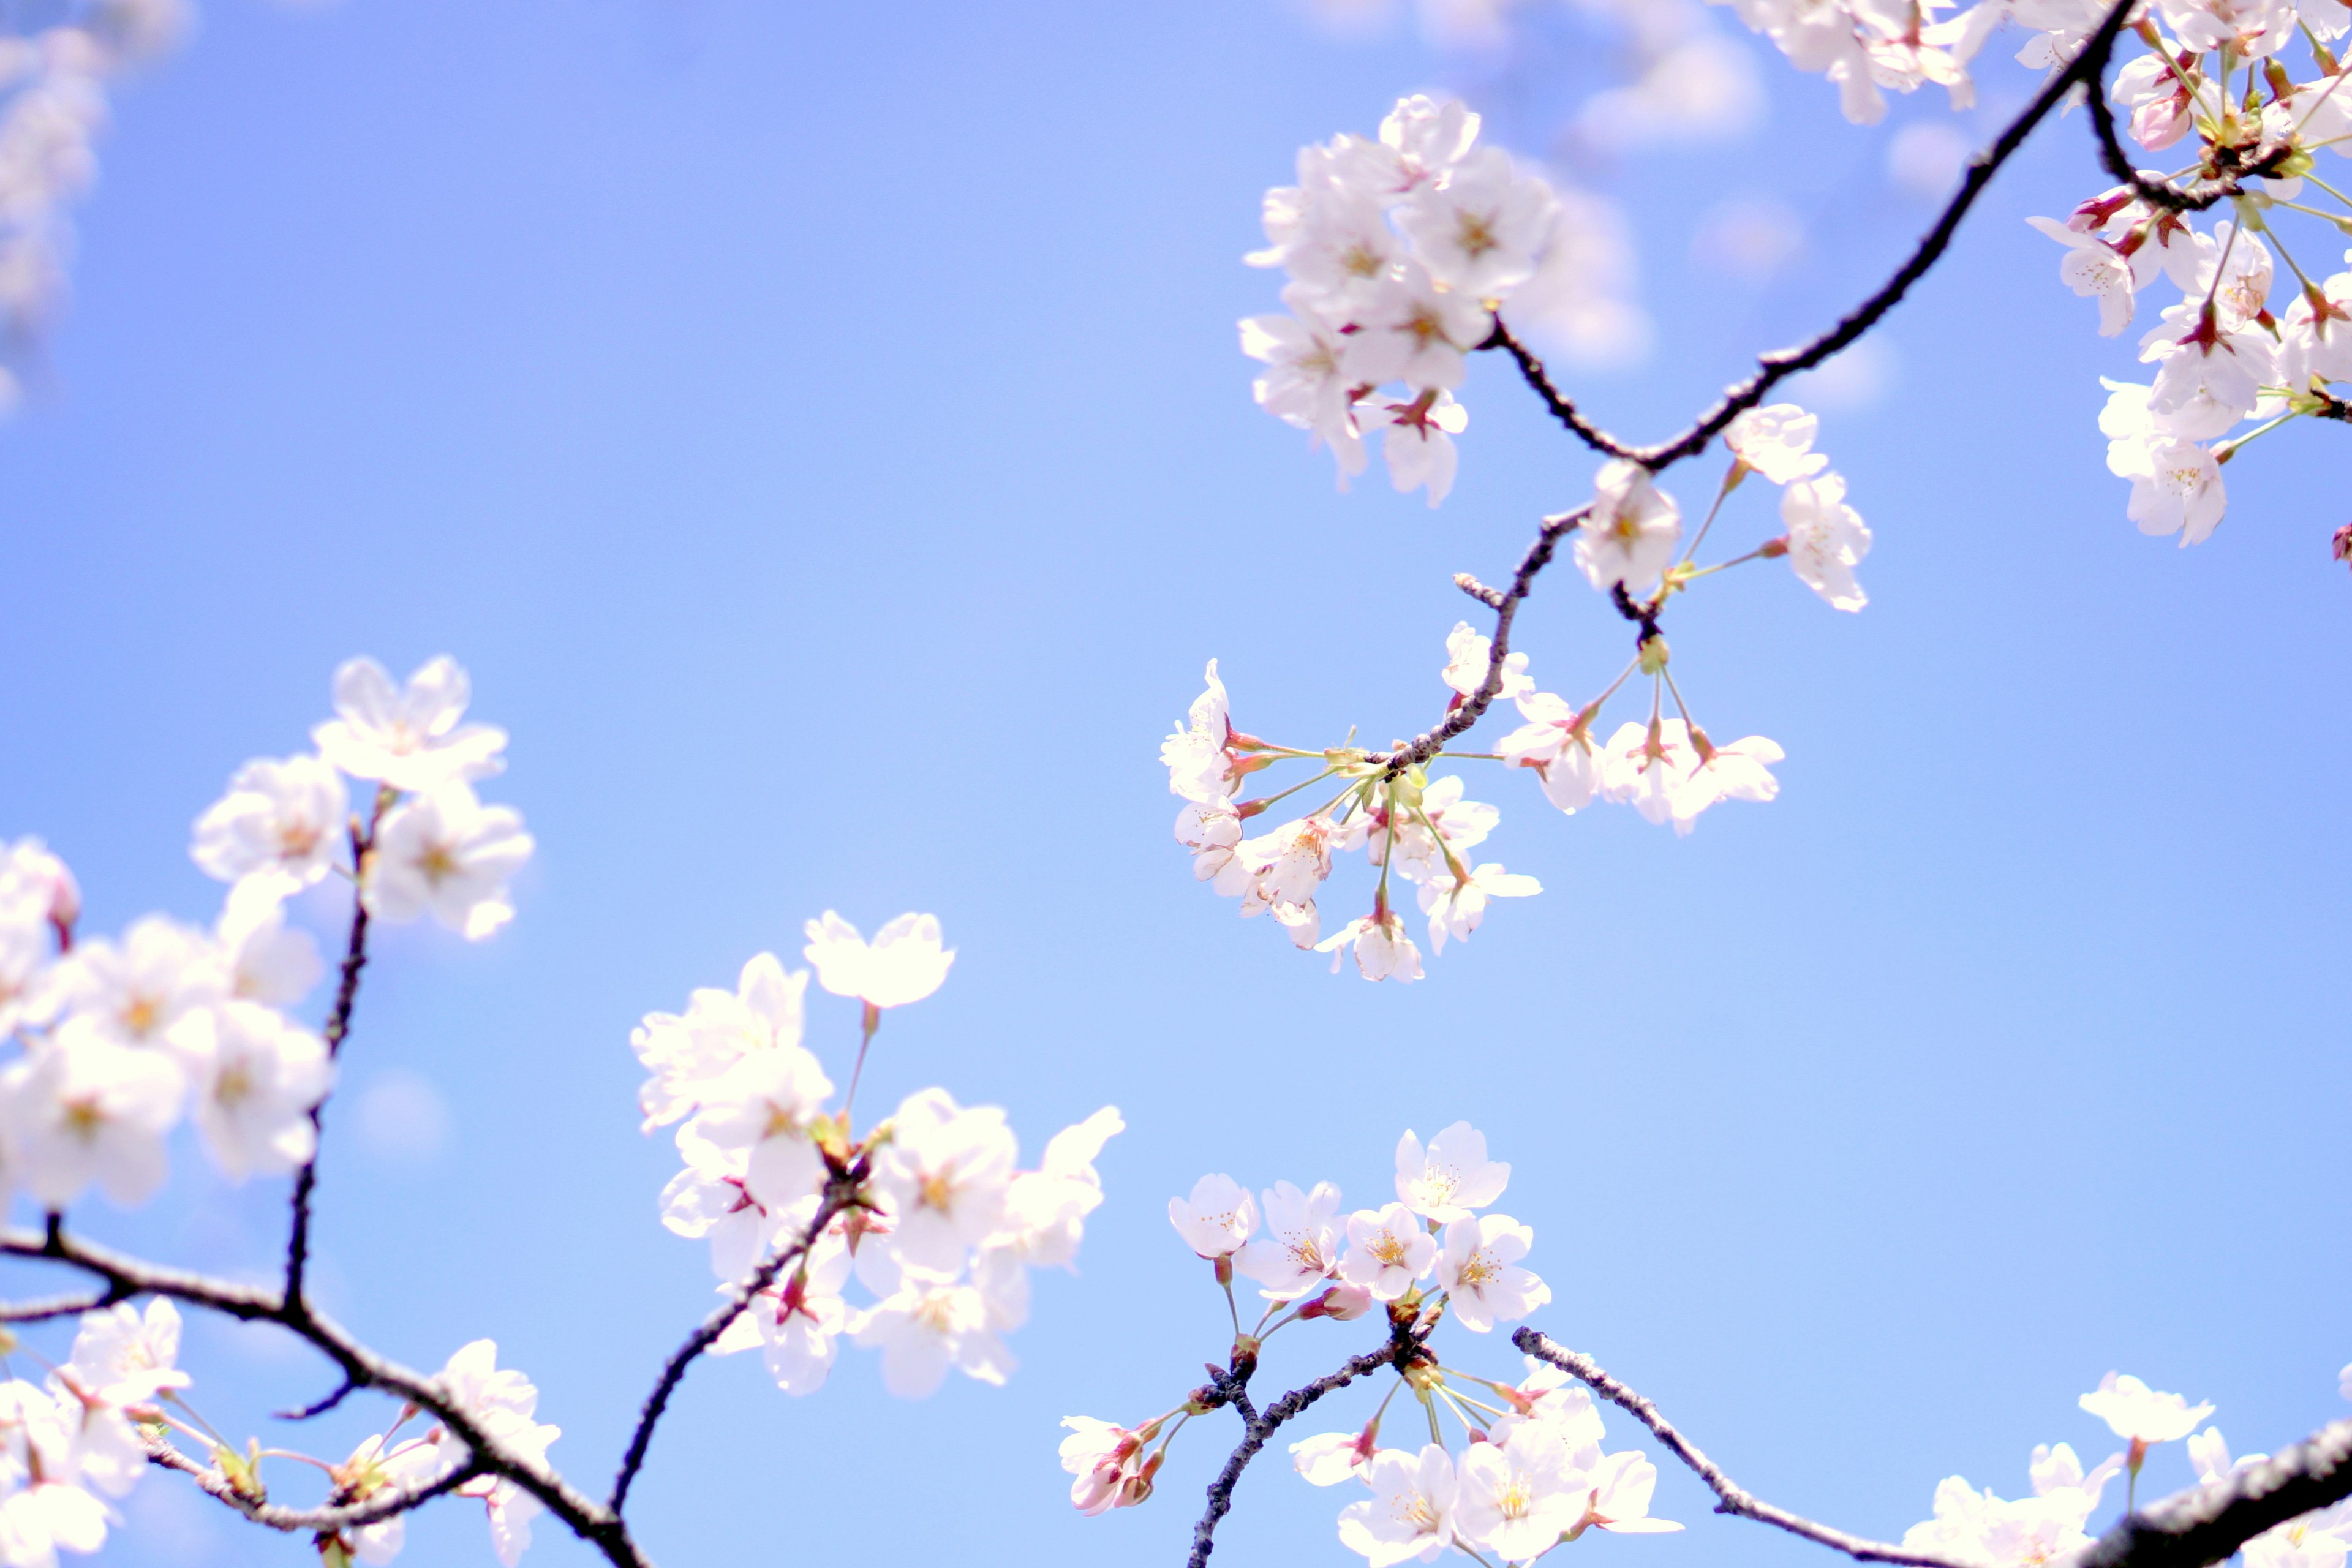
(338, 1027)
(323, 1521)
(316, 1407)
(1506, 607)
(840, 1192)
(1732, 1498)
(48, 1307)
(1256, 1427)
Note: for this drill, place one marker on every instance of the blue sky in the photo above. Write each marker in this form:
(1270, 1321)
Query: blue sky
(820, 432)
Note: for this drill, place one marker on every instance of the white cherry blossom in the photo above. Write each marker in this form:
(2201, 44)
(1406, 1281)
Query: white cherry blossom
(1456, 908)
(447, 855)
(1556, 743)
(1413, 332)
(1621, 1490)
(124, 1357)
(762, 1112)
(1629, 536)
(1516, 1496)
(1468, 653)
(1217, 1218)
(1330, 1457)
(84, 1109)
(1646, 765)
(1827, 539)
(1479, 230)
(1301, 1247)
(281, 822)
(262, 1076)
(924, 1330)
(1388, 1251)
(1776, 441)
(146, 991)
(1198, 767)
(1451, 1176)
(1739, 770)
(1381, 948)
(689, 1054)
(904, 963)
(1410, 1515)
(947, 1170)
(2141, 1414)
(408, 737)
(1417, 439)
(261, 959)
(1478, 1269)
(1046, 1209)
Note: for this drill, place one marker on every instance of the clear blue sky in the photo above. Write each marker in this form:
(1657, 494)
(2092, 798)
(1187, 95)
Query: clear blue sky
(819, 430)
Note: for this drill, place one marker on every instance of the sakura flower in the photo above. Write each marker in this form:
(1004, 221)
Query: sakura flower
(1478, 1269)
(1516, 1498)
(24, 954)
(409, 738)
(2134, 1411)
(1211, 830)
(84, 1109)
(1455, 909)
(1198, 767)
(261, 1077)
(764, 1111)
(38, 885)
(1388, 1251)
(121, 1357)
(691, 1055)
(1557, 742)
(1301, 1249)
(1776, 441)
(1411, 331)
(2096, 269)
(48, 1508)
(2175, 485)
(1450, 1177)
(1046, 1209)
(2237, 278)
(1286, 865)
(261, 959)
(1418, 439)
(1628, 538)
(2159, 102)
(2316, 334)
(1306, 382)
(2207, 379)
(373, 1470)
(1382, 950)
(1420, 143)
(1621, 1488)
(1429, 825)
(1331, 1457)
(448, 855)
(1739, 771)
(499, 1400)
(1467, 655)
(1826, 539)
(947, 1170)
(2208, 1455)
(801, 1320)
(1108, 1463)
(711, 1199)
(2059, 1475)
(1478, 232)
(904, 963)
(1339, 249)
(924, 1330)
(144, 992)
(281, 822)
(1217, 1218)
(1646, 765)
(1411, 1512)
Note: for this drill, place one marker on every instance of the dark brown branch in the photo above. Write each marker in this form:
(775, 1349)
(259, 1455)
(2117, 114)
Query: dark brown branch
(339, 1026)
(2156, 191)
(48, 1307)
(2208, 1524)
(319, 1406)
(1731, 1498)
(293, 1521)
(1506, 607)
(1256, 1427)
(840, 1194)
(125, 1277)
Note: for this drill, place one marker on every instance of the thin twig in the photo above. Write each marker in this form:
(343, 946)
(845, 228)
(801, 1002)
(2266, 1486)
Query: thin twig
(1733, 1499)
(323, 1521)
(319, 1406)
(339, 1026)
(1256, 1428)
(48, 1307)
(840, 1192)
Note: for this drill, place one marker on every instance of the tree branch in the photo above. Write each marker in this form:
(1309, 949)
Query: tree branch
(125, 1276)
(1257, 1427)
(339, 1026)
(840, 1192)
(324, 1520)
(2209, 1523)
(1732, 1498)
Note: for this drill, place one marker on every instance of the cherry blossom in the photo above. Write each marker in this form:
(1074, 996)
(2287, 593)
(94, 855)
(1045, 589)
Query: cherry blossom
(1109, 1462)
(1517, 1497)
(2134, 1411)
(924, 1330)
(1451, 1176)
(689, 1054)
(947, 1170)
(1411, 1512)
(84, 1109)
(146, 991)
(1199, 768)
(448, 855)
(122, 1357)
(1739, 771)
(409, 738)
(1417, 439)
(1478, 1267)
(1455, 908)
(1621, 1488)
(1479, 230)
(1629, 537)
(1557, 742)
(1826, 539)
(1467, 655)
(905, 961)
(1046, 1209)
(1217, 1218)
(1776, 441)
(262, 959)
(1646, 765)
(1301, 1249)
(1381, 948)
(281, 822)
(1388, 1251)
(1331, 1457)
(260, 1077)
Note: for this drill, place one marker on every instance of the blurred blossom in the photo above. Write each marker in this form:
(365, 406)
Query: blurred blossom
(1580, 303)
(1705, 88)
(1752, 238)
(1858, 378)
(1925, 158)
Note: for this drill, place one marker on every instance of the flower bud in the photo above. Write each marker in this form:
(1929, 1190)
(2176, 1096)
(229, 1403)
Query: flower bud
(1654, 654)
(2343, 543)
(1344, 1302)
(1773, 549)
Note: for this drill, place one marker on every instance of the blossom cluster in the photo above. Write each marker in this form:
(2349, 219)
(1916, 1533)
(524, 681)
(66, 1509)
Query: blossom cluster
(1985, 1530)
(941, 1226)
(122, 1039)
(1398, 250)
(53, 105)
(2247, 89)
(1530, 1473)
(1423, 830)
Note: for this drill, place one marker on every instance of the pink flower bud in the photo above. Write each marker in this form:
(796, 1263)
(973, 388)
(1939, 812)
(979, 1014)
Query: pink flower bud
(1343, 1302)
